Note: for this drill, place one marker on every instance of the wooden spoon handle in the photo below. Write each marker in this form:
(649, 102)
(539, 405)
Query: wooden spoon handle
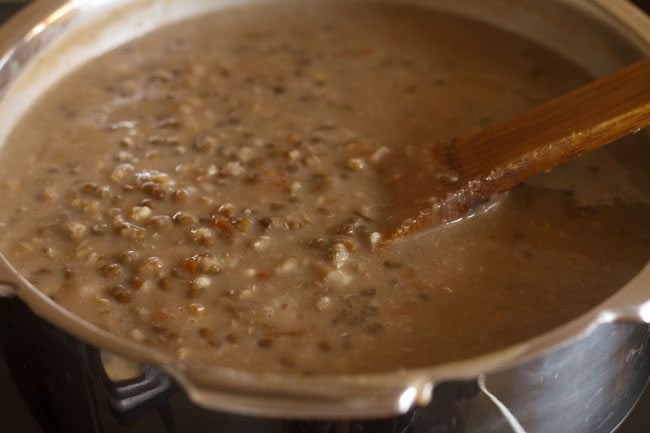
(496, 159)
(558, 130)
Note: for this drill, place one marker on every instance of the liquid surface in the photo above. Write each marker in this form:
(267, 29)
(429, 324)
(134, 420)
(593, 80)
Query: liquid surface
(211, 190)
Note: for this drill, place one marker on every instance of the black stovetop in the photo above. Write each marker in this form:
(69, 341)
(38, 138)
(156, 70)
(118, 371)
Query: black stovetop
(14, 417)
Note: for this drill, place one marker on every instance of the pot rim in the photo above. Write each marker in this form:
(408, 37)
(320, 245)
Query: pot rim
(337, 395)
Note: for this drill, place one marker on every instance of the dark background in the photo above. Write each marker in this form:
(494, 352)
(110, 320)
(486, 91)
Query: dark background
(14, 418)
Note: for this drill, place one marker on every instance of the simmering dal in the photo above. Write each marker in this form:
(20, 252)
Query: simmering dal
(211, 190)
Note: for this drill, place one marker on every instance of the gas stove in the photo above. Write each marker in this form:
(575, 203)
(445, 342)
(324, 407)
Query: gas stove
(15, 418)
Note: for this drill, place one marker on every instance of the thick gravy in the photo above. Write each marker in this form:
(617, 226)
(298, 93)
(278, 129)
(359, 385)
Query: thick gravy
(211, 190)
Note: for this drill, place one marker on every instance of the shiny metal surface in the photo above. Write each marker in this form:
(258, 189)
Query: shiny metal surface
(586, 374)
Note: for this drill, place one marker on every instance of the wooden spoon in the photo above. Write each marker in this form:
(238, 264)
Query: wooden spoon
(441, 183)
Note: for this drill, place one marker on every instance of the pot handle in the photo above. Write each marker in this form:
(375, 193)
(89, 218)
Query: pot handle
(632, 303)
(7, 289)
(9, 285)
(129, 398)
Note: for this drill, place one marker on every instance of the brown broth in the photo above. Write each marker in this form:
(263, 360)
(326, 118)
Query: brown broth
(211, 190)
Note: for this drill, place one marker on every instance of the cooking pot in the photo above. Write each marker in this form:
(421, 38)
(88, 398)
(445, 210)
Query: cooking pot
(584, 376)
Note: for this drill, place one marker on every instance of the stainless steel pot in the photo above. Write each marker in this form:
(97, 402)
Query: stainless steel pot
(582, 377)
